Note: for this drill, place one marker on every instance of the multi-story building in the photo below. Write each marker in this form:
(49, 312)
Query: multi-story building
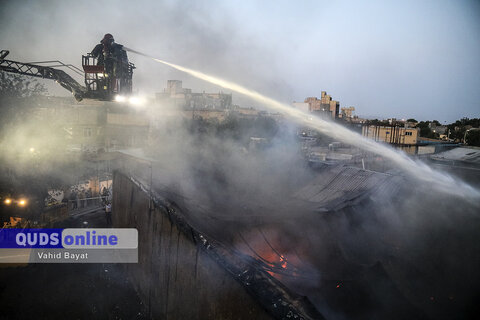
(92, 126)
(325, 105)
(174, 94)
(347, 113)
(393, 135)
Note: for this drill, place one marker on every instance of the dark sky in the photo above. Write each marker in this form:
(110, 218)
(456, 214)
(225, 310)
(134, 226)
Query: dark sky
(387, 58)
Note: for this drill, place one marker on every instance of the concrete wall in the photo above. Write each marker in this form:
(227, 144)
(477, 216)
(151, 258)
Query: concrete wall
(174, 277)
(128, 119)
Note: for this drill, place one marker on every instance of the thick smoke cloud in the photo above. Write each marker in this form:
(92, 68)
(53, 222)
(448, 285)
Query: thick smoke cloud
(220, 178)
(240, 194)
(200, 33)
(386, 60)
(410, 242)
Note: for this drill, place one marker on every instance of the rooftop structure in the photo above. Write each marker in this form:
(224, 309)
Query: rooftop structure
(347, 113)
(393, 135)
(310, 254)
(325, 105)
(180, 97)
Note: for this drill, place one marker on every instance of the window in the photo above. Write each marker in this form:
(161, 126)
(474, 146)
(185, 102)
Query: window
(87, 132)
(408, 133)
(388, 132)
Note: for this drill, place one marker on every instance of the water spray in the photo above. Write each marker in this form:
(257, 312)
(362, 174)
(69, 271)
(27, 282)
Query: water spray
(415, 169)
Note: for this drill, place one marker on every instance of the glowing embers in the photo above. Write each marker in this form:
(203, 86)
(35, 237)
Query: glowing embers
(283, 260)
(270, 251)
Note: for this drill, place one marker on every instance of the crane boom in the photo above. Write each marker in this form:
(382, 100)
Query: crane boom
(45, 72)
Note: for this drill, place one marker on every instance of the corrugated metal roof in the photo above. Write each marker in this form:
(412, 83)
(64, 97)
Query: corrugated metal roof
(336, 188)
(288, 240)
(319, 255)
(470, 155)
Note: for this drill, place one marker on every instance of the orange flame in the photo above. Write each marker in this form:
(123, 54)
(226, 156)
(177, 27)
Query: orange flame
(283, 260)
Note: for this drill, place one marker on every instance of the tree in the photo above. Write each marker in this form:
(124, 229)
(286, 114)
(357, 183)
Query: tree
(412, 120)
(19, 86)
(376, 122)
(18, 96)
(473, 138)
(458, 128)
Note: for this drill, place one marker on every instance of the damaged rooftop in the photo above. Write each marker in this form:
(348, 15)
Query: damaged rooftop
(270, 160)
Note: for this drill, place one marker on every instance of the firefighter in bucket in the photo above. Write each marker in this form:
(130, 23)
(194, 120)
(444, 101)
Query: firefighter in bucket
(112, 56)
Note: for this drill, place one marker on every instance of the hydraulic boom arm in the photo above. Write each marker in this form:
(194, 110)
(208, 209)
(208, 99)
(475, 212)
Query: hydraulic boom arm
(44, 72)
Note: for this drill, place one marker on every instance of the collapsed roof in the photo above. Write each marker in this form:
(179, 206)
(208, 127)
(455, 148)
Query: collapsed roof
(348, 243)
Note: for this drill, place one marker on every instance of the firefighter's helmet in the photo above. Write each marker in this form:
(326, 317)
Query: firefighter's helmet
(108, 38)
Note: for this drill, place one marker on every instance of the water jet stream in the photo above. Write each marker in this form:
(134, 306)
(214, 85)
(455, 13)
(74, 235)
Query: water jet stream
(415, 169)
